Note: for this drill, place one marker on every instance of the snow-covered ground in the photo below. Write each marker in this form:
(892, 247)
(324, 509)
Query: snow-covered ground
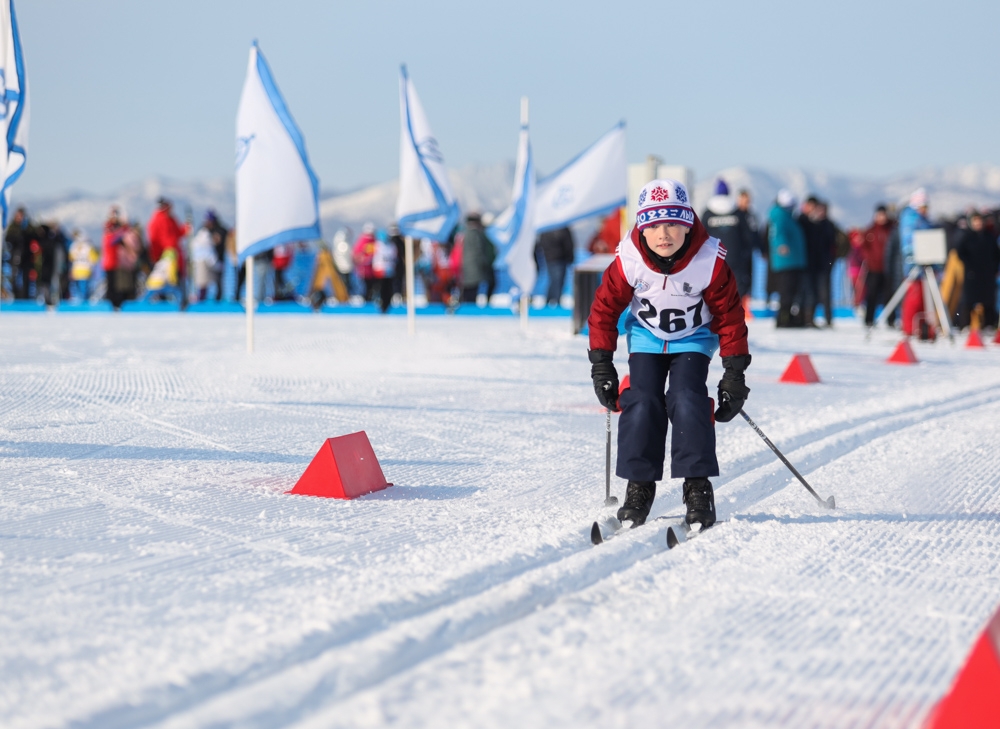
(154, 573)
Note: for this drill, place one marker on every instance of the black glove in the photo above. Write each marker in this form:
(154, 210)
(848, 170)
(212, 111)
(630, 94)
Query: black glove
(605, 376)
(733, 390)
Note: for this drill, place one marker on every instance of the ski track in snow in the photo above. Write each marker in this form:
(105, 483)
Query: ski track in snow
(154, 574)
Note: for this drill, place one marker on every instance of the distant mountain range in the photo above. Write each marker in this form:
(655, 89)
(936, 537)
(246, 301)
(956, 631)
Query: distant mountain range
(487, 188)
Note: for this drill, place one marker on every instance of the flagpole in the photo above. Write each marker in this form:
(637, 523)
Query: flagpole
(411, 311)
(250, 303)
(525, 295)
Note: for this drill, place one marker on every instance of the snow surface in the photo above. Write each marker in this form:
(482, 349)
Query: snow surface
(153, 573)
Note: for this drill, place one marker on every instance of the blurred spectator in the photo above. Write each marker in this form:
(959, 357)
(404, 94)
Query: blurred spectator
(399, 277)
(557, 248)
(384, 260)
(856, 269)
(362, 254)
(787, 257)
(19, 235)
(749, 241)
(82, 257)
(979, 252)
(203, 260)
(912, 219)
(163, 278)
(129, 253)
(608, 236)
(110, 242)
(52, 244)
(281, 259)
(219, 233)
(873, 252)
(478, 254)
(821, 241)
(165, 233)
(326, 279)
(733, 224)
(340, 249)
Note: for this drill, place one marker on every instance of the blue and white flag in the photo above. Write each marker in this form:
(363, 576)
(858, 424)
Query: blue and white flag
(514, 229)
(277, 193)
(593, 183)
(13, 105)
(426, 206)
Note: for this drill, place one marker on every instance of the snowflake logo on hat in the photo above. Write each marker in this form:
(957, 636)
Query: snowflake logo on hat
(659, 194)
(681, 194)
(642, 198)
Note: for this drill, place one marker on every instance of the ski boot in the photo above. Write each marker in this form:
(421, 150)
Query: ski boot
(639, 497)
(700, 500)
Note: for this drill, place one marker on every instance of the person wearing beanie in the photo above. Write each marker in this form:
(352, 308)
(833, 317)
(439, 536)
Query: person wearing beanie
(725, 220)
(787, 256)
(683, 306)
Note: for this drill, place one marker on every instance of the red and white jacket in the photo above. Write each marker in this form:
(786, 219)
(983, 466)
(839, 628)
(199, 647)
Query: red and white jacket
(633, 280)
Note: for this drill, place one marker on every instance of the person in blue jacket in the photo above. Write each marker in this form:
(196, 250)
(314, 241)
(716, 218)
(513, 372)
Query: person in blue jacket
(786, 254)
(912, 219)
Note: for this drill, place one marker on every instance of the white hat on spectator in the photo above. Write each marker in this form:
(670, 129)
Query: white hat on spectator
(785, 198)
(918, 198)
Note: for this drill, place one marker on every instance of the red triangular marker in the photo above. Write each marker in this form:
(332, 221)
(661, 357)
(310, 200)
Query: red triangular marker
(996, 339)
(974, 698)
(800, 370)
(344, 468)
(903, 354)
(974, 341)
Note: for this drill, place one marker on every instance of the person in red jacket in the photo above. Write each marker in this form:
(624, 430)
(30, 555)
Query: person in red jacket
(683, 305)
(165, 232)
(114, 228)
(873, 245)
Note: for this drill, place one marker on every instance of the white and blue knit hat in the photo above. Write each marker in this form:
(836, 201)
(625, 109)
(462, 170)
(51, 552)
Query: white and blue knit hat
(664, 201)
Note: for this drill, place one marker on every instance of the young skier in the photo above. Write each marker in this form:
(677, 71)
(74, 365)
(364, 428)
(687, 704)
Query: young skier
(683, 305)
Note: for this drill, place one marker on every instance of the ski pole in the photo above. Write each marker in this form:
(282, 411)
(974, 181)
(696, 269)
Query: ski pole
(829, 503)
(609, 500)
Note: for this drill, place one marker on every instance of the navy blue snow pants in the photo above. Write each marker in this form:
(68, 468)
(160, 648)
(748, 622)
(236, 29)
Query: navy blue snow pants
(642, 428)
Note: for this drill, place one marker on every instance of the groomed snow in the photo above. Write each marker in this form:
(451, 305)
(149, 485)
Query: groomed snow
(153, 572)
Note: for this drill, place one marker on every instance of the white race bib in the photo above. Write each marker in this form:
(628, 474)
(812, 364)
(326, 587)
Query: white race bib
(670, 306)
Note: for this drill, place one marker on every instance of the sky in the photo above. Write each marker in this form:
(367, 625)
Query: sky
(124, 90)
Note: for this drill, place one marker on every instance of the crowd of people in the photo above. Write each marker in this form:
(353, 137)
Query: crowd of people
(798, 241)
(801, 244)
(129, 261)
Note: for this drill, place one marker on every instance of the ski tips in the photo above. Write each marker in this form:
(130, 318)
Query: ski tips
(595, 534)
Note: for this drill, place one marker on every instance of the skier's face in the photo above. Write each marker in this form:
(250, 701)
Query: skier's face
(665, 239)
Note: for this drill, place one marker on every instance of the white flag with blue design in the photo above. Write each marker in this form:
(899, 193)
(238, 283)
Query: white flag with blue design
(277, 193)
(13, 105)
(426, 206)
(593, 183)
(514, 229)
